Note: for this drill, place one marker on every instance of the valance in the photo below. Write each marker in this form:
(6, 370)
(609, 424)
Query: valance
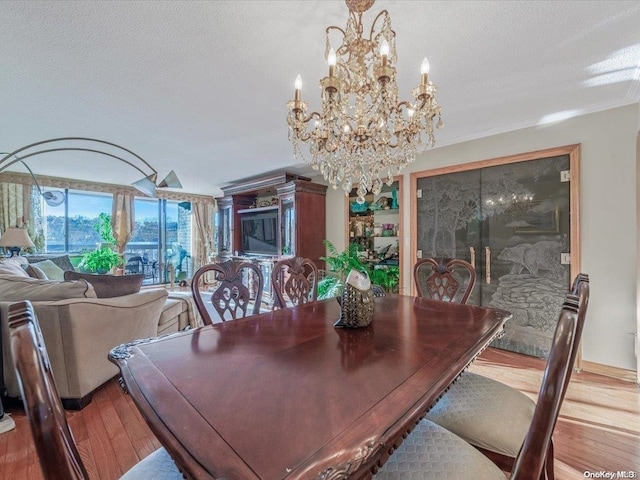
(58, 182)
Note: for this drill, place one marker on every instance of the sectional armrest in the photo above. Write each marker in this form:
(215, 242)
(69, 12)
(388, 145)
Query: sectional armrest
(80, 332)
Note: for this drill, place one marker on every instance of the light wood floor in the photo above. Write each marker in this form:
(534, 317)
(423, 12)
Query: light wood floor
(598, 429)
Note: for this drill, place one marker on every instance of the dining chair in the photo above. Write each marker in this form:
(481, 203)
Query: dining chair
(447, 279)
(238, 284)
(433, 452)
(494, 417)
(294, 281)
(378, 291)
(54, 443)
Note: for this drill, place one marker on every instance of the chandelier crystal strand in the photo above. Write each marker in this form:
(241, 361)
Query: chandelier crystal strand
(363, 133)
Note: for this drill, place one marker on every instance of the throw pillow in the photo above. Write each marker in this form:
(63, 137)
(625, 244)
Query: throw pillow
(107, 286)
(13, 266)
(62, 261)
(36, 272)
(14, 288)
(51, 270)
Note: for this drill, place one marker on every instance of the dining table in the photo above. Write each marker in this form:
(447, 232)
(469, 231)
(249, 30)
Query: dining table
(287, 395)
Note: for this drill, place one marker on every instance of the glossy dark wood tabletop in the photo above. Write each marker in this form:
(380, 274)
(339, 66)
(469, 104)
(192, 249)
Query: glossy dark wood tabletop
(287, 395)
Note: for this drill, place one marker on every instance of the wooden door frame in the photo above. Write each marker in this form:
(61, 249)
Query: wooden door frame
(400, 180)
(573, 151)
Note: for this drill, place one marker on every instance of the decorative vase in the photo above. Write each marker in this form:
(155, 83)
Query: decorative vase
(394, 199)
(356, 302)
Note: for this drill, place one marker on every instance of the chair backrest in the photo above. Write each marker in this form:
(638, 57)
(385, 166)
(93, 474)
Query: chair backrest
(531, 458)
(294, 281)
(378, 291)
(446, 279)
(55, 445)
(238, 283)
(579, 288)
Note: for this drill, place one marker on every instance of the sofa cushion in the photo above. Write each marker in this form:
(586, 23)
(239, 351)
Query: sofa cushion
(62, 261)
(14, 288)
(13, 266)
(35, 272)
(50, 270)
(107, 286)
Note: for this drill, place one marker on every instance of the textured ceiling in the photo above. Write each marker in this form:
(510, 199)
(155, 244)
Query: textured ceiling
(201, 87)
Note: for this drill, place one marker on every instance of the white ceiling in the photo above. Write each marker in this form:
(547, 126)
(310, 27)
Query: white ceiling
(201, 87)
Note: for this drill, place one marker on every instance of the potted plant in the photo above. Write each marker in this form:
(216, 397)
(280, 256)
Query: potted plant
(339, 266)
(341, 263)
(388, 277)
(101, 260)
(104, 258)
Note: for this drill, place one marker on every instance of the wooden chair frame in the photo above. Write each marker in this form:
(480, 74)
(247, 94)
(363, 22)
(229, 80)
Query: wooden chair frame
(580, 290)
(300, 285)
(441, 284)
(231, 295)
(54, 442)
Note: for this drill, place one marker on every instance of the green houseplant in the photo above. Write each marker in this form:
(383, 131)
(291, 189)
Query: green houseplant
(101, 260)
(341, 263)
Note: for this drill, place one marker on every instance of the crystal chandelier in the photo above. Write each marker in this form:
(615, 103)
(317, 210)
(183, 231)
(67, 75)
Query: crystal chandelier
(364, 133)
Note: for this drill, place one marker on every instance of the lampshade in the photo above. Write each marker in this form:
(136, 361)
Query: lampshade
(146, 185)
(171, 181)
(52, 197)
(15, 238)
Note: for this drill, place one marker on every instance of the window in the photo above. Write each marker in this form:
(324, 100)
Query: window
(161, 235)
(70, 227)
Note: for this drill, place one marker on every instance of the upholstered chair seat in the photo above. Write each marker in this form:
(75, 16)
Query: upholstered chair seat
(485, 413)
(432, 453)
(157, 466)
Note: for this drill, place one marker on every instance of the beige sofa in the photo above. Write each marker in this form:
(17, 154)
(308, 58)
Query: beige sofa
(79, 329)
(80, 332)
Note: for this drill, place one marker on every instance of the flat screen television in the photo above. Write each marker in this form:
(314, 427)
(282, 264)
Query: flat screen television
(260, 233)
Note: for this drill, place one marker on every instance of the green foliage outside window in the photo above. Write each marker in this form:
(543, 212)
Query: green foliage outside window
(104, 229)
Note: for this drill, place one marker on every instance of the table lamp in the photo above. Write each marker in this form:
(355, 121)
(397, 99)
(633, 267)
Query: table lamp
(14, 239)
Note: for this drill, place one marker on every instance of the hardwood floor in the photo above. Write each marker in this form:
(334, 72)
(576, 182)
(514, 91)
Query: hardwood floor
(598, 429)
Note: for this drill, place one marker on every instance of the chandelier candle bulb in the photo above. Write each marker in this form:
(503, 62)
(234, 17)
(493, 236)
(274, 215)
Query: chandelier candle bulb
(424, 71)
(384, 52)
(298, 87)
(332, 62)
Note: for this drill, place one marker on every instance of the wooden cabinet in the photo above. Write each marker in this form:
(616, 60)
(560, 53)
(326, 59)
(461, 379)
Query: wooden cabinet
(273, 216)
(375, 226)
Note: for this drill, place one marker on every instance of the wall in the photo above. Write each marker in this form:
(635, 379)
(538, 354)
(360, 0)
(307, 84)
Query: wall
(608, 210)
(637, 351)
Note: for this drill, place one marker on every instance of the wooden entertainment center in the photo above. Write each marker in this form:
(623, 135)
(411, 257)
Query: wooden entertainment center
(281, 214)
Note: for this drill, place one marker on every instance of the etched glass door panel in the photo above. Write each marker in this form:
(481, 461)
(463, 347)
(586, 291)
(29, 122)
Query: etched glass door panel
(525, 231)
(512, 223)
(448, 223)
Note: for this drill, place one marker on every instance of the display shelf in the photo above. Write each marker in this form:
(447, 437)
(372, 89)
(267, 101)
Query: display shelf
(365, 227)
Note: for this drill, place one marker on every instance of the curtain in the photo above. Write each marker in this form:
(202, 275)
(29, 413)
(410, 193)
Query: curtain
(12, 205)
(122, 220)
(202, 240)
(35, 218)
